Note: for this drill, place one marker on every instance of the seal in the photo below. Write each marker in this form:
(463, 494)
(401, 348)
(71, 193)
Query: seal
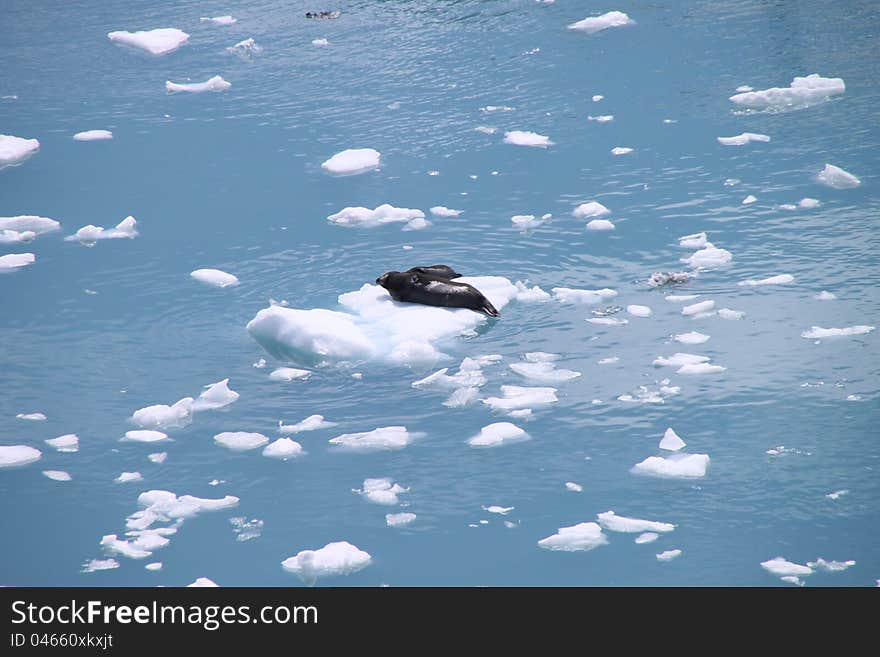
(443, 271)
(417, 287)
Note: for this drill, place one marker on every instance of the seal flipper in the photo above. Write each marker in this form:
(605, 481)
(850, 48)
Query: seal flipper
(489, 309)
(443, 271)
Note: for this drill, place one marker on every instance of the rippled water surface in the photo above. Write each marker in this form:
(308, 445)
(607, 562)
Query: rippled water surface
(233, 181)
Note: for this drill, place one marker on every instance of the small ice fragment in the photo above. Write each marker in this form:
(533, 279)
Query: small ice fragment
(817, 332)
(605, 118)
(260, 364)
(621, 150)
(835, 177)
(381, 490)
(215, 277)
(782, 568)
(338, 558)
(219, 20)
(748, 200)
(526, 294)
(202, 582)
(608, 361)
(671, 441)
(600, 224)
(125, 229)
(727, 313)
(700, 368)
(526, 138)
(311, 423)
(216, 83)
(594, 24)
(240, 440)
(518, 397)
(158, 457)
(570, 295)
(677, 466)
(381, 215)
(830, 566)
(501, 510)
(597, 98)
(15, 455)
(573, 487)
(145, 436)
(156, 565)
(694, 241)
(93, 135)
(289, 374)
(591, 209)
(668, 555)
(581, 537)
(156, 42)
(615, 523)
(441, 211)
(57, 475)
(36, 417)
(698, 308)
(802, 92)
(216, 395)
(462, 397)
(741, 140)
(160, 415)
(486, 130)
(382, 438)
(14, 261)
(647, 537)
(128, 476)
(676, 298)
(320, 42)
(837, 494)
(283, 448)
(691, 337)
(497, 434)
(15, 150)
(352, 161)
(639, 311)
(95, 565)
(808, 203)
(709, 257)
(781, 279)
(246, 49)
(680, 359)
(399, 519)
(67, 443)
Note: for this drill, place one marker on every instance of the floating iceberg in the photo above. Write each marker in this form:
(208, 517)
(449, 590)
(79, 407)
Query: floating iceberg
(320, 42)
(671, 441)
(526, 138)
(13, 261)
(15, 150)
(382, 491)
(595, 24)
(582, 537)
(691, 337)
(203, 583)
(527, 294)
(600, 224)
(125, 229)
(339, 558)
(441, 211)
(289, 374)
(215, 277)
(497, 434)
(573, 487)
(163, 416)
(216, 83)
(16, 237)
(676, 466)
(668, 555)
(694, 241)
(709, 257)
(126, 477)
(615, 523)
(743, 139)
(145, 436)
(246, 49)
(699, 308)
(528, 221)
(216, 395)
(782, 568)
(700, 368)
(93, 135)
(384, 214)
(639, 311)
(621, 150)
(399, 519)
(817, 332)
(591, 209)
(35, 417)
(311, 423)
(240, 440)
(67, 443)
(283, 448)
(382, 438)
(802, 92)
(29, 223)
(155, 42)
(57, 475)
(680, 359)
(545, 372)
(837, 178)
(352, 161)
(372, 326)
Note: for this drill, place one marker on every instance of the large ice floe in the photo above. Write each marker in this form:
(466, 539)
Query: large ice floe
(581, 537)
(215, 277)
(526, 138)
(156, 42)
(381, 438)
(352, 161)
(15, 455)
(497, 434)
(383, 214)
(372, 326)
(216, 83)
(15, 150)
(14, 261)
(802, 92)
(338, 558)
(88, 235)
(834, 176)
(595, 24)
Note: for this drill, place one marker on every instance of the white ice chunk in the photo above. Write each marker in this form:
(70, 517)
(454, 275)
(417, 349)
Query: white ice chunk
(570, 295)
(668, 555)
(526, 138)
(600, 224)
(69, 442)
(527, 294)
(29, 223)
(698, 308)
(486, 130)
(161, 416)
(517, 397)
(809, 203)
(383, 214)
(57, 475)
(219, 20)
(608, 361)
(145, 435)
(679, 359)
(115, 545)
(320, 42)
(93, 135)
(95, 565)
(695, 241)
(748, 200)
(441, 211)
(591, 209)
(830, 566)
(544, 372)
(639, 311)
(528, 221)
(677, 298)
(837, 178)
(157, 457)
(216, 395)
(15, 150)
(462, 397)
(595, 24)
(824, 295)
(216, 83)
(156, 565)
(215, 277)
(33, 417)
(125, 477)
(289, 374)
(700, 368)
(743, 139)
(621, 150)
(399, 519)
(497, 434)
(647, 537)
(352, 161)
(781, 279)
(202, 583)
(381, 490)
(802, 92)
(605, 118)
(817, 332)
(16, 237)
(709, 257)
(691, 337)
(240, 440)
(283, 448)
(311, 423)
(246, 49)
(15, 455)
(615, 523)
(14, 261)
(597, 98)
(125, 229)
(782, 568)
(727, 313)
(339, 558)
(671, 441)
(676, 466)
(381, 438)
(581, 537)
(607, 321)
(573, 487)
(501, 510)
(155, 42)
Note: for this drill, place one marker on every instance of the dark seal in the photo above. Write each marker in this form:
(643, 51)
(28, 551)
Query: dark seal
(443, 271)
(417, 287)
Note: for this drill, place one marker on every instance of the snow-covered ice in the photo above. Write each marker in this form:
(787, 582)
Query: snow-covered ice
(215, 277)
(15, 455)
(802, 92)
(581, 537)
(15, 150)
(526, 138)
(240, 440)
(381, 438)
(834, 176)
(156, 42)
(529, 221)
(338, 558)
(352, 161)
(594, 24)
(497, 434)
(501, 510)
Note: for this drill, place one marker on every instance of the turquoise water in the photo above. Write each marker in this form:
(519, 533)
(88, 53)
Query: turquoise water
(233, 181)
